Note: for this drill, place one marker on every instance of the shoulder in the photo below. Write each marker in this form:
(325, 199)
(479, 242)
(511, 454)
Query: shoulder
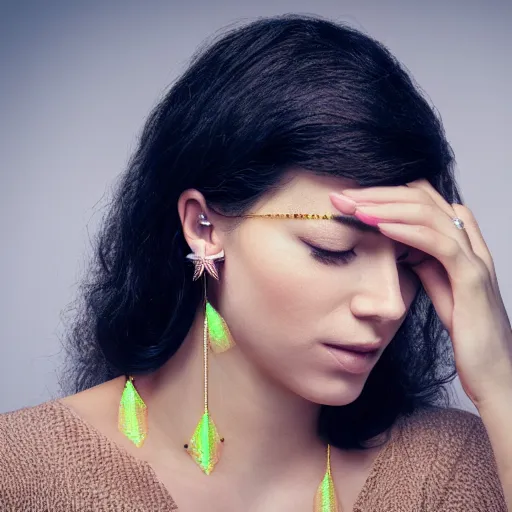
(51, 459)
(447, 427)
(448, 450)
(30, 441)
(39, 441)
(28, 431)
(442, 436)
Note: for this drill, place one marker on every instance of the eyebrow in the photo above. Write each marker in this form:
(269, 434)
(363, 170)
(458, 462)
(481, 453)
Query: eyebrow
(355, 223)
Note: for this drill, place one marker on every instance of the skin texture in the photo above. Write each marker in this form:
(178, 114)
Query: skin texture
(280, 303)
(460, 277)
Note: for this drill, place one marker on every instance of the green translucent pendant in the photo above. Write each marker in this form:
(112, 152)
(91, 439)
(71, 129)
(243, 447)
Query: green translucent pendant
(132, 419)
(325, 497)
(205, 445)
(218, 332)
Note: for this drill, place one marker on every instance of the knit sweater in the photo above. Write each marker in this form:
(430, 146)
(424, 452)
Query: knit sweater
(51, 459)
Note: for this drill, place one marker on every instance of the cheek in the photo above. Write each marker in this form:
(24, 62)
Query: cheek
(269, 283)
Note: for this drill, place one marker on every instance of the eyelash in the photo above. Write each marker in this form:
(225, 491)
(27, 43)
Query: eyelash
(334, 257)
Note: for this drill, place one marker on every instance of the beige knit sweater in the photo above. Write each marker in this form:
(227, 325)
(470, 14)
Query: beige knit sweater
(52, 460)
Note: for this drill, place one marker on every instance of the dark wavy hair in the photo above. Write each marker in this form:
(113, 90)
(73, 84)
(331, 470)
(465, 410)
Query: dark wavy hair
(272, 94)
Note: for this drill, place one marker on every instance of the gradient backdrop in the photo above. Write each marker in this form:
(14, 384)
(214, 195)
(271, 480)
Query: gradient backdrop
(78, 79)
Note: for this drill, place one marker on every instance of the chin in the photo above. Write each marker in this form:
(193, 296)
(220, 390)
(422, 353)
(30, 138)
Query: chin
(334, 394)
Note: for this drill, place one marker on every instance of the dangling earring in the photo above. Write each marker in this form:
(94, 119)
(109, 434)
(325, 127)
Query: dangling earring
(205, 443)
(218, 333)
(325, 497)
(204, 446)
(132, 418)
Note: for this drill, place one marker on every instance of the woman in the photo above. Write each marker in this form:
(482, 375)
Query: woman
(277, 289)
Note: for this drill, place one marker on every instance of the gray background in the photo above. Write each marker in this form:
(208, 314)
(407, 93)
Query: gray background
(79, 78)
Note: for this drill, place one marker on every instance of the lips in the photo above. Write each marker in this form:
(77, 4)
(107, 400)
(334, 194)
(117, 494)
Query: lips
(352, 361)
(360, 348)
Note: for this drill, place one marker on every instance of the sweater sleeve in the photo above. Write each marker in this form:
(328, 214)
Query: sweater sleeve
(474, 485)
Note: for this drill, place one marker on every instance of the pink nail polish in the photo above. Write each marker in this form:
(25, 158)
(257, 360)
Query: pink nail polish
(343, 200)
(368, 219)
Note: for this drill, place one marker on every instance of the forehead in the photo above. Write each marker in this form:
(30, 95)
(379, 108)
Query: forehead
(301, 191)
(304, 192)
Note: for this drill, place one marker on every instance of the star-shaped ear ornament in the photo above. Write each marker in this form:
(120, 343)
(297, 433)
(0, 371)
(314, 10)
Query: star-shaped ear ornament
(202, 262)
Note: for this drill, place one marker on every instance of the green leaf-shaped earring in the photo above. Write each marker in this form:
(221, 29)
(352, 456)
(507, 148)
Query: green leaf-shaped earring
(205, 444)
(132, 418)
(325, 497)
(218, 332)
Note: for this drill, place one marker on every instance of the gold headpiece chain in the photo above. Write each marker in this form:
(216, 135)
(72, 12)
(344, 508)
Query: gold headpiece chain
(327, 216)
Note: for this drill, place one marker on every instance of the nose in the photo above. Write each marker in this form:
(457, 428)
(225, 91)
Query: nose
(380, 295)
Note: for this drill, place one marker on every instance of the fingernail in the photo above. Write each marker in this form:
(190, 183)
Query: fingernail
(368, 219)
(344, 200)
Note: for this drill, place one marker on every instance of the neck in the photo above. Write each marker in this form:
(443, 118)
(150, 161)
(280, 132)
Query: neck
(260, 420)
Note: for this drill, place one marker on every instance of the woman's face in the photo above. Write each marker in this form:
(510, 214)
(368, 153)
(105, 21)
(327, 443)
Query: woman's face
(284, 297)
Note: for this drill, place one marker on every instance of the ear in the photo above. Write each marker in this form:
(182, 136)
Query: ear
(201, 239)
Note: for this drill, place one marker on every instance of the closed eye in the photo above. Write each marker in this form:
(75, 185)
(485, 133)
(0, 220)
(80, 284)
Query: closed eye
(331, 257)
(336, 257)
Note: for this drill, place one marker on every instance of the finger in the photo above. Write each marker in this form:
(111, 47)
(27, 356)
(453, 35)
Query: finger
(440, 201)
(426, 187)
(394, 194)
(436, 282)
(428, 215)
(475, 236)
(442, 247)
(418, 191)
